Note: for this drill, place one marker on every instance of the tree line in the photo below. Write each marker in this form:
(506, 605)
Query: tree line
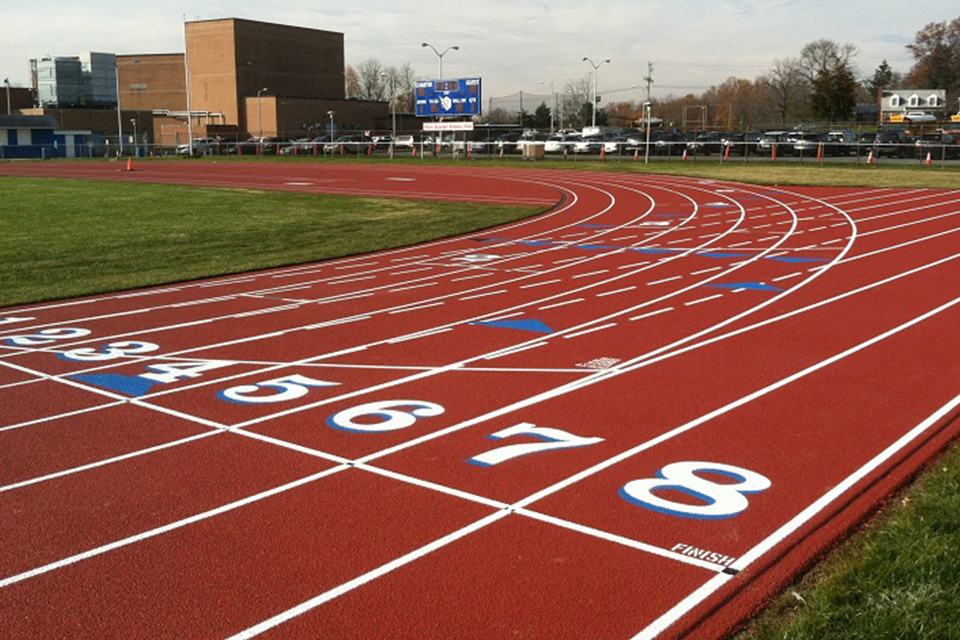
(819, 84)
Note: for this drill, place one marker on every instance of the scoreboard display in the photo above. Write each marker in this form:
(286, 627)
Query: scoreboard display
(460, 97)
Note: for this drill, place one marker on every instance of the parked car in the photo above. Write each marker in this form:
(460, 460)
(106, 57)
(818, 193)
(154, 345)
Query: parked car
(253, 146)
(892, 143)
(810, 144)
(938, 145)
(667, 143)
(588, 144)
(344, 144)
(706, 143)
(294, 147)
(844, 141)
(403, 142)
(770, 140)
(201, 147)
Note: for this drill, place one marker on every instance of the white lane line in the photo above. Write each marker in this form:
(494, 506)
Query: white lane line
(400, 273)
(561, 304)
(417, 308)
(708, 298)
(416, 554)
(479, 275)
(512, 350)
(688, 603)
(356, 266)
(651, 314)
(741, 244)
(635, 265)
(670, 279)
(331, 283)
(422, 334)
(696, 273)
(540, 284)
(590, 330)
(168, 527)
(484, 295)
(786, 277)
(331, 323)
(615, 291)
(414, 286)
(589, 273)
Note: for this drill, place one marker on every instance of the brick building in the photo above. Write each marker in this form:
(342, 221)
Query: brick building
(246, 77)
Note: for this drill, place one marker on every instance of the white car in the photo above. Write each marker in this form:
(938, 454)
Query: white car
(919, 117)
(201, 147)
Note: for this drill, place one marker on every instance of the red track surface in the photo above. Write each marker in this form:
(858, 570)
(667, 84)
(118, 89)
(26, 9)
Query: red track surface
(191, 461)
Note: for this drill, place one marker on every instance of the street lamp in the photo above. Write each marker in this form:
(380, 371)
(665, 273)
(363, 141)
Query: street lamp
(260, 114)
(440, 55)
(553, 94)
(595, 67)
(119, 117)
(133, 123)
(646, 116)
(332, 127)
(393, 105)
(6, 81)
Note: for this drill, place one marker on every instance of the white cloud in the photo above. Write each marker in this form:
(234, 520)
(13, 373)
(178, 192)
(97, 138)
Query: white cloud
(513, 44)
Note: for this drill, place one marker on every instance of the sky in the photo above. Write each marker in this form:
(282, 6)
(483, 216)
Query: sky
(513, 45)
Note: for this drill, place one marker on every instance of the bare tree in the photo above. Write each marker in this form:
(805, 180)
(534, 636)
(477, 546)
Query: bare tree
(825, 55)
(788, 88)
(372, 84)
(576, 93)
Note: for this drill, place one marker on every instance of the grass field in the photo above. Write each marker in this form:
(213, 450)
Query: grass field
(65, 238)
(899, 579)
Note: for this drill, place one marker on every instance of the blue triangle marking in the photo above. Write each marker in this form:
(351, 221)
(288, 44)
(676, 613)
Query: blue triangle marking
(669, 215)
(596, 226)
(753, 286)
(538, 243)
(128, 385)
(520, 325)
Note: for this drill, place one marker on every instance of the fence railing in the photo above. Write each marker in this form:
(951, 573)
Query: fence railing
(465, 149)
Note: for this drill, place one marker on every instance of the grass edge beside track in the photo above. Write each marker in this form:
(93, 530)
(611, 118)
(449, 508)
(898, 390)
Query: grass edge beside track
(882, 174)
(894, 578)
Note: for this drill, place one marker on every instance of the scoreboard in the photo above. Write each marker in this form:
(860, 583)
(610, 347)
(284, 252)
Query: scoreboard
(460, 97)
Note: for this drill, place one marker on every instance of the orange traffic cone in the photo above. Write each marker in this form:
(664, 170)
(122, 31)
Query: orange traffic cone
(820, 152)
(773, 152)
(130, 164)
(929, 160)
(870, 158)
(684, 155)
(636, 153)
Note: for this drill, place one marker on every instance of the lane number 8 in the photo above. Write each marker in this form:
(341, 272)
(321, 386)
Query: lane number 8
(716, 500)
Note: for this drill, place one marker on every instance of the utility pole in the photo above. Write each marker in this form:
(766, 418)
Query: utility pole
(649, 78)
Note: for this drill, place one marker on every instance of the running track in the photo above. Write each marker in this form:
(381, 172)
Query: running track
(636, 415)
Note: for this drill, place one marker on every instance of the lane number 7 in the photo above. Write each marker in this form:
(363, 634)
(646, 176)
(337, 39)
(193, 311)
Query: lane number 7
(552, 439)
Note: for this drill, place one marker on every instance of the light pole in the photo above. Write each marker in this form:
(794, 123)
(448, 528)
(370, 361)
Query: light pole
(260, 114)
(133, 123)
(595, 67)
(440, 55)
(393, 105)
(116, 76)
(553, 110)
(646, 116)
(332, 127)
(6, 81)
